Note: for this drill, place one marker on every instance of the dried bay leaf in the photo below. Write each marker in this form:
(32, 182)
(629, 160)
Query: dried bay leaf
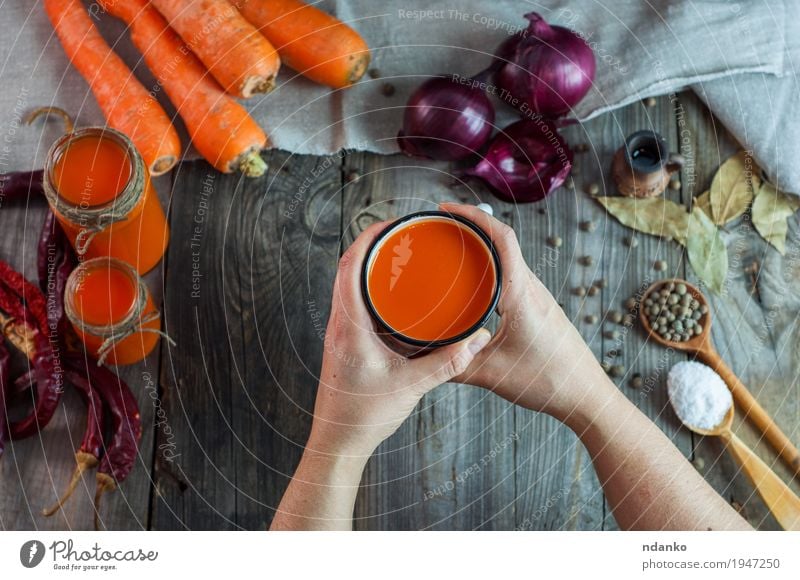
(703, 201)
(706, 251)
(732, 188)
(771, 209)
(654, 215)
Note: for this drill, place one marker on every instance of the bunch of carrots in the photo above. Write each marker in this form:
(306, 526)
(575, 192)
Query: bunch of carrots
(204, 54)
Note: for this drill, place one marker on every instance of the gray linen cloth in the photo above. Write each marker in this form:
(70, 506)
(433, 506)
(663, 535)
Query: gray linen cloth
(734, 54)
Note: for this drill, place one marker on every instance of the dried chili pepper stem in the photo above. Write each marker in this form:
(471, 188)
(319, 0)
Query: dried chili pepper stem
(121, 451)
(69, 124)
(19, 335)
(105, 483)
(88, 454)
(85, 462)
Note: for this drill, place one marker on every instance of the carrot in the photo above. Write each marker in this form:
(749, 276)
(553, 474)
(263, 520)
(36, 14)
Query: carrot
(243, 61)
(310, 41)
(221, 129)
(126, 104)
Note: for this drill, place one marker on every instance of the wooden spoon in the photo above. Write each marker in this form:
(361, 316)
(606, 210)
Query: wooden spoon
(777, 496)
(702, 346)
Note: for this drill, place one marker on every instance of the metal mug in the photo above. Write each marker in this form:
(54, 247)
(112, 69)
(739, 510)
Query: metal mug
(398, 341)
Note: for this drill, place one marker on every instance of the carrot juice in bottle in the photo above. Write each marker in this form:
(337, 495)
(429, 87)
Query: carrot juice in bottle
(110, 308)
(99, 189)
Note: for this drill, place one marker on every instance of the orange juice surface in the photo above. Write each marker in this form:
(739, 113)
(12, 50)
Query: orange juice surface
(92, 171)
(104, 297)
(432, 279)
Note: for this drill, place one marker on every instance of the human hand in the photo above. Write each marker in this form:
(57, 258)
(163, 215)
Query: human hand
(367, 390)
(537, 358)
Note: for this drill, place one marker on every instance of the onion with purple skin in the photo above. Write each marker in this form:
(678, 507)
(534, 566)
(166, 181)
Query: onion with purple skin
(544, 70)
(446, 119)
(525, 162)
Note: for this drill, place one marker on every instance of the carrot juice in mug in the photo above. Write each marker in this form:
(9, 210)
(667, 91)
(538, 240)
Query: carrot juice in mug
(430, 279)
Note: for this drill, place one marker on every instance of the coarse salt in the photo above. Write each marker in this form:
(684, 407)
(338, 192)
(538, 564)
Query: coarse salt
(698, 394)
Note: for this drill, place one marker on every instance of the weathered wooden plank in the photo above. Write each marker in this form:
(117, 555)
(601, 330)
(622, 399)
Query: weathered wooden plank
(451, 465)
(248, 295)
(556, 485)
(628, 270)
(35, 471)
(755, 324)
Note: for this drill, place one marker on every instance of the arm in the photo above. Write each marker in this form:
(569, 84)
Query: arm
(322, 493)
(365, 392)
(648, 482)
(537, 359)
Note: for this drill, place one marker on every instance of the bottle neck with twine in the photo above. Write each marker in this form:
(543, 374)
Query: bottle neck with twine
(89, 219)
(134, 322)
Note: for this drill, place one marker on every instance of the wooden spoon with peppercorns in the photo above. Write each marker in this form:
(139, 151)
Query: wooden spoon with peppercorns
(702, 346)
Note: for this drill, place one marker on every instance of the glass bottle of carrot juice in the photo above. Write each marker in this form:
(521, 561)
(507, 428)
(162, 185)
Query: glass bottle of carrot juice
(110, 308)
(99, 189)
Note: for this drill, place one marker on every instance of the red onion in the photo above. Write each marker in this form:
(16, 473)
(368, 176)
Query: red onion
(544, 69)
(447, 118)
(525, 162)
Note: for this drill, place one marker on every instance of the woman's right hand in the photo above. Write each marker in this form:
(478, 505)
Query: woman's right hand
(536, 358)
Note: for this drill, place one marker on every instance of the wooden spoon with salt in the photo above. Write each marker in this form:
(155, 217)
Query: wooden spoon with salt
(702, 346)
(779, 499)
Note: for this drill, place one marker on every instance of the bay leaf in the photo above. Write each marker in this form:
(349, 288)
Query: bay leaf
(706, 251)
(654, 215)
(771, 209)
(703, 201)
(732, 188)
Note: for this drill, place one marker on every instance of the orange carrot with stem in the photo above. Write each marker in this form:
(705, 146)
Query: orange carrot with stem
(310, 41)
(241, 59)
(126, 104)
(221, 129)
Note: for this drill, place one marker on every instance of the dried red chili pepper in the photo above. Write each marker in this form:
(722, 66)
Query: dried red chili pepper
(120, 453)
(31, 296)
(5, 389)
(12, 306)
(49, 387)
(56, 260)
(25, 303)
(20, 185)
(88, 454)
(21, 384)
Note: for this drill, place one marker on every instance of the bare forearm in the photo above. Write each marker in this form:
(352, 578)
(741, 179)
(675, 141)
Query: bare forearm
(322, 493)
(648, 483)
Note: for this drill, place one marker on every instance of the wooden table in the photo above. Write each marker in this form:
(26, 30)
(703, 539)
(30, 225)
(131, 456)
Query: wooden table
(247, 286)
